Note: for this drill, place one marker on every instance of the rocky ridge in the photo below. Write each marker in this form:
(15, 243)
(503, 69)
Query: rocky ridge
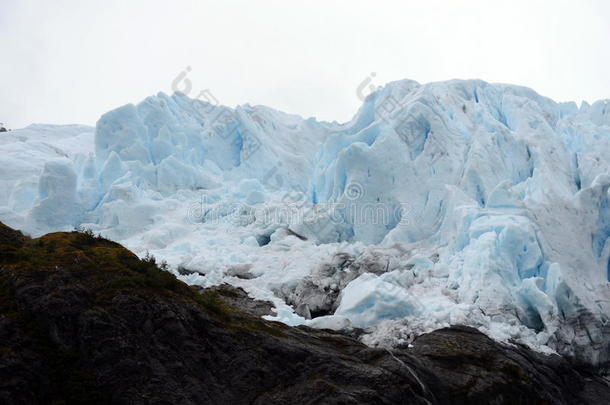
(85, 321)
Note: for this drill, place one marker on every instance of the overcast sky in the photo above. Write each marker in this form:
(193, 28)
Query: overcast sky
(68, 61)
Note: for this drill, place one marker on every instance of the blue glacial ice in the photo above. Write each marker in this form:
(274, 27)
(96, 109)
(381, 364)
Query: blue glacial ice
(451, 202)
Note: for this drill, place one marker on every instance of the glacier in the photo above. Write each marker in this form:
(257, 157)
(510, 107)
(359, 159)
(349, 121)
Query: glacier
(458, 202)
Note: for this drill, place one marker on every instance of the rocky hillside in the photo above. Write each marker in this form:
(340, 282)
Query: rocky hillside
(84, 321)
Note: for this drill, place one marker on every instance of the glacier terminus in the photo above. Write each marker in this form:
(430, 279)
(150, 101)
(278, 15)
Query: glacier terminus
(459, 202)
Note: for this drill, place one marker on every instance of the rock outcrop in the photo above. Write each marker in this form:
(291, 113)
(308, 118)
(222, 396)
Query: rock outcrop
(84, 321)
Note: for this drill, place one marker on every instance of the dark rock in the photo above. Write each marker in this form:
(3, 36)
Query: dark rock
(318, 294)
(84, 321)
(183, 271)
(237, 298)
(466, 361)
(10, 243)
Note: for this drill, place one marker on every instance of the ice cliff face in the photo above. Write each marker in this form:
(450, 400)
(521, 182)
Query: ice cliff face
(458, 202)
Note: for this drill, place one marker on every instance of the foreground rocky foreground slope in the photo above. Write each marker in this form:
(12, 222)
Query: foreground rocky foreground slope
(84, 321)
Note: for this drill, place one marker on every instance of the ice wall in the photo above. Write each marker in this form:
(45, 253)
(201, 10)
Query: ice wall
(450, 202)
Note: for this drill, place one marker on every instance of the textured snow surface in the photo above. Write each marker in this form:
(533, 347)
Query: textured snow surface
(457, 202)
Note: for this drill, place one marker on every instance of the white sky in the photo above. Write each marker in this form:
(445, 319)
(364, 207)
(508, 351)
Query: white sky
(68, 61)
